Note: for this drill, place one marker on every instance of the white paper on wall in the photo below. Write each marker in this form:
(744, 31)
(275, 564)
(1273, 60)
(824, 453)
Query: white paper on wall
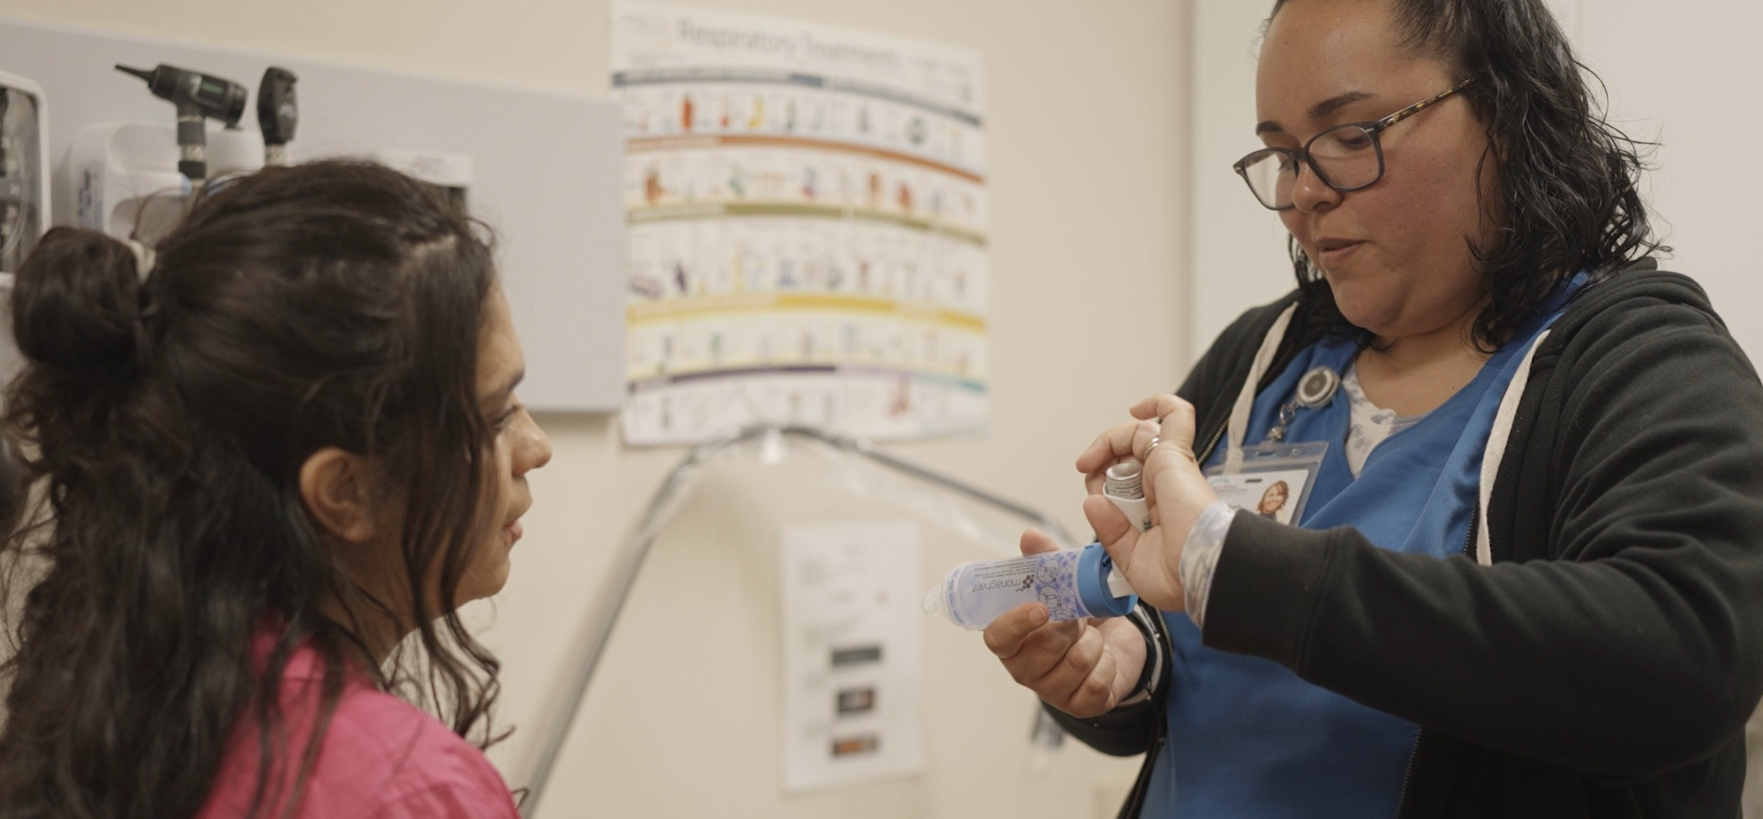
(807, 227)
(852, 643)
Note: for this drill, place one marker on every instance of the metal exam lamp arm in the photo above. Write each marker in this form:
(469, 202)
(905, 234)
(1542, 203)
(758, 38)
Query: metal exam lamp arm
(553, 728)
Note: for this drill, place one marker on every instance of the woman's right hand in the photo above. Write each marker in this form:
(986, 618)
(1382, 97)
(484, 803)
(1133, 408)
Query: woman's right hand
(1081, 667)
(1121, 443)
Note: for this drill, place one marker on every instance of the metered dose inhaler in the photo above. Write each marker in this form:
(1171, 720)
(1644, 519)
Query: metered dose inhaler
(1073, 583)
(1124, 486)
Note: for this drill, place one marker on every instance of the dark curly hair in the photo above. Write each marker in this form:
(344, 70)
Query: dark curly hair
(1570, 179)
(164, 421)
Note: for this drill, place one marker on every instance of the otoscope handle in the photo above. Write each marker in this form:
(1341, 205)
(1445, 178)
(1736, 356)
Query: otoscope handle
(192, 143)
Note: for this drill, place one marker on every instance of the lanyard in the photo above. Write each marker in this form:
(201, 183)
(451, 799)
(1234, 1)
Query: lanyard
(1239, 415)
(1315, 389)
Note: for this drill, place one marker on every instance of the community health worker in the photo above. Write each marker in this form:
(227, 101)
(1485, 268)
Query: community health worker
(1526, 577)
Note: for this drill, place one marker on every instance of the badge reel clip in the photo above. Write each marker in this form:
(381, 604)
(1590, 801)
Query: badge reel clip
(1273, 479)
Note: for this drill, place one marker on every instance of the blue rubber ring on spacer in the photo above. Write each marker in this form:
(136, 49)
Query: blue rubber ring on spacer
(1093, 567)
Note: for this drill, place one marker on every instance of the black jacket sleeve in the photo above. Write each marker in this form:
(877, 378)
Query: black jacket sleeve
(1623, 636)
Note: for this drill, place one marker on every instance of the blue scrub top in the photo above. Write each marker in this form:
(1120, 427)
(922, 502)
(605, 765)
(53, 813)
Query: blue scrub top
(1247, 737)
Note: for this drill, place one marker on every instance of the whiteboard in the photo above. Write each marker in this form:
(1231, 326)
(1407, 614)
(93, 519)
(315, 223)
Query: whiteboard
(548, 170)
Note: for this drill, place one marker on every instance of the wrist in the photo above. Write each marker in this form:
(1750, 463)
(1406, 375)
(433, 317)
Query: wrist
(1149, 623)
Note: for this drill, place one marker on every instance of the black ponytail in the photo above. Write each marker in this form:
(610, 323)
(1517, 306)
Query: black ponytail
(76, 306)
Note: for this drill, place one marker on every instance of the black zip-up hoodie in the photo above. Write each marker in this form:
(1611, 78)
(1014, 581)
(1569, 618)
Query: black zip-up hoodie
(1605, 664)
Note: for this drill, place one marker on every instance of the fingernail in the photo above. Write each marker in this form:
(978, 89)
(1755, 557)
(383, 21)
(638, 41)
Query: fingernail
(1039, 618)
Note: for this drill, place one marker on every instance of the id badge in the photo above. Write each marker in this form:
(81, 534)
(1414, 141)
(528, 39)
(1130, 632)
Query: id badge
(1274, 481)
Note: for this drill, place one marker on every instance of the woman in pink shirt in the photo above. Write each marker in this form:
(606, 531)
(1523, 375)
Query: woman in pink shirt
(267, 466)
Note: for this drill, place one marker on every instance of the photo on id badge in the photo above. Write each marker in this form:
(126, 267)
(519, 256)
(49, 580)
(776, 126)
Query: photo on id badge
(1273, 495)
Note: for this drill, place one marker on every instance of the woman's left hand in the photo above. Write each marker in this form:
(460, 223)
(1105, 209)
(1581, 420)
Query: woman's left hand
(1175, 491)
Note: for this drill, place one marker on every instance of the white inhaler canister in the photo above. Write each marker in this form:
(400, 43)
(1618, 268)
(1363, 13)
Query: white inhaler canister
(1073, 583)
(1123, 485)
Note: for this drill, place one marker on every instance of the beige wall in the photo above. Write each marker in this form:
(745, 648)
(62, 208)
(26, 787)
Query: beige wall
(1088, 181)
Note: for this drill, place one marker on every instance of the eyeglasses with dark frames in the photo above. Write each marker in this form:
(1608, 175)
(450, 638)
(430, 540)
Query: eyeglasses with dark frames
(1346, 158)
